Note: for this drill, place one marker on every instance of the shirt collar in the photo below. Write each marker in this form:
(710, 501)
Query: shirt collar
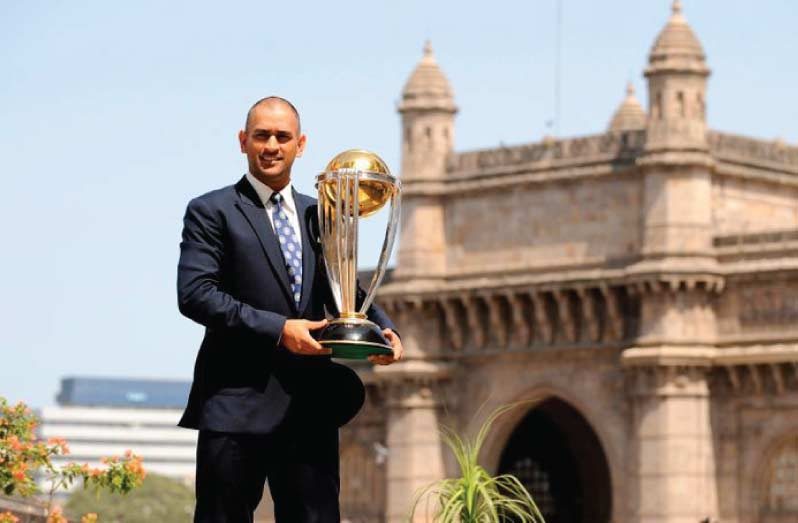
(265, 193)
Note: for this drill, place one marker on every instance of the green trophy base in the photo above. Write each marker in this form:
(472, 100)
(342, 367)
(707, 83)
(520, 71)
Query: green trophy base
(354, 339)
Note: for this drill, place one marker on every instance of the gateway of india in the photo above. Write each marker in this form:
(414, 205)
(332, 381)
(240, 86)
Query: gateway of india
(637, 288)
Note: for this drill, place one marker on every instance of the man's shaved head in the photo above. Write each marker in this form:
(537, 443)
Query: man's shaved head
(273, 100)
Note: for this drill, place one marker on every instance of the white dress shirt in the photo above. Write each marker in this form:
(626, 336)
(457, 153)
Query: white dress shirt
(289, 205)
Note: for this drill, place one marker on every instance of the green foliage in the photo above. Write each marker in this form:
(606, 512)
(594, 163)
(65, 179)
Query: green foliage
(476, 496)
(157, 499)
(22, 455)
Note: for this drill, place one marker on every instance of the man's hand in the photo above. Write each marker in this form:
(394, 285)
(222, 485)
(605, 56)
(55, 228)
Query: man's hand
(396, 345)
(296, 337)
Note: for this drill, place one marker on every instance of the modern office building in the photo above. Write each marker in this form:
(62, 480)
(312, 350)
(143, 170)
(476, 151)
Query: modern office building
(106, 417)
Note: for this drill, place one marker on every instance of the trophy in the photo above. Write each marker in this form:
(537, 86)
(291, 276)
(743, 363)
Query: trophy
(355, 184)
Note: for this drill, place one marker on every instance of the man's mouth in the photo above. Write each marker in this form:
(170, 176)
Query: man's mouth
(270, 160)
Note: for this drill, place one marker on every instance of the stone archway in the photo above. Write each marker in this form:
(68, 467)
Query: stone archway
(557, 455)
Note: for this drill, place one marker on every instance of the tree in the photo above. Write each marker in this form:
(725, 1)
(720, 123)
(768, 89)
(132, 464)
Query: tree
(157, 499)
(22, 455)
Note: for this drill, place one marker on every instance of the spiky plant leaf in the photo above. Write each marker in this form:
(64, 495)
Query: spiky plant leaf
(475, 496)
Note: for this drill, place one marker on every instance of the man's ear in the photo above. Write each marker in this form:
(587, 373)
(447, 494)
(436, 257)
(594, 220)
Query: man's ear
(300, 148)
(242, 140)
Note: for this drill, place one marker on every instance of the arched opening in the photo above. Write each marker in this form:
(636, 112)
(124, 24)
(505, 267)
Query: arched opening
(559, 459)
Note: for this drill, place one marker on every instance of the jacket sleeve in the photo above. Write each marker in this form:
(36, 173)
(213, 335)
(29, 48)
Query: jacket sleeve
(199, 295)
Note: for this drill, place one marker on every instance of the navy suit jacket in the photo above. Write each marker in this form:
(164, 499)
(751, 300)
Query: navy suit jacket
(233, 280)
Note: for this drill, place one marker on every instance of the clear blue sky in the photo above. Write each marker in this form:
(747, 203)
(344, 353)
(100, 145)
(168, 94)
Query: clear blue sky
(115, 114)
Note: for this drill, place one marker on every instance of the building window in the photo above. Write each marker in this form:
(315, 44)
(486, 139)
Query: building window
(657, 109)
(700, 109)
(782, 480)
(680, 104)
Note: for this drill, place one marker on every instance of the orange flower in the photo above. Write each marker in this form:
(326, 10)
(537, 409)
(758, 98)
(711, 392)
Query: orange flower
(56, 516)
(18, 472)
(8, 517)
(91, 517)
(14, 443)
(60, 443)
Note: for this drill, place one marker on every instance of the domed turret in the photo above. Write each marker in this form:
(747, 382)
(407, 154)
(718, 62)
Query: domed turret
(427, 88)
(676, 47)
(677, 82)
(630, 115)
(427, 110)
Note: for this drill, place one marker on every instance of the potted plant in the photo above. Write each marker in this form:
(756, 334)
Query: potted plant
(476, 496)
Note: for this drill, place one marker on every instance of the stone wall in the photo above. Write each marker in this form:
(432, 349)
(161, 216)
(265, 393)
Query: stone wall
(746, 205)
(597, 221)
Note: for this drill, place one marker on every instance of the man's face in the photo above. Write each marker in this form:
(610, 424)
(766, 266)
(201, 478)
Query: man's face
(271, 142)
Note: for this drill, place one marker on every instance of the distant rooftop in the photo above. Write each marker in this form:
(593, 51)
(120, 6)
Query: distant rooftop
(120, 392)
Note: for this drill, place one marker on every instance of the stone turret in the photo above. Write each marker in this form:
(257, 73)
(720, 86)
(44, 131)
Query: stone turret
(630, 115)
(677, 84)
(427, 109)
(676, 163)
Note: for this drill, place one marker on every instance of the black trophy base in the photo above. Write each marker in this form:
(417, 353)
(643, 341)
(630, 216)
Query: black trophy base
(354, 339)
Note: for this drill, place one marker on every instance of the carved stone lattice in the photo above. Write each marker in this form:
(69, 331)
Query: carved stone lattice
(782, 482)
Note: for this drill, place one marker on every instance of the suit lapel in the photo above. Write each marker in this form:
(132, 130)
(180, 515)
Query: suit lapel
(253, 210)
(305, 213)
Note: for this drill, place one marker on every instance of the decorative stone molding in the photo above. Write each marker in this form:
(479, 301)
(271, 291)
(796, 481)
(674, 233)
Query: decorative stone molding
(622, 145)
(591, 313)
(614, 326)
(602, 147)
(545, 321)
(567, 320)
(414, 383)
(754, 370)
(750, 150)
(668, 380)
(514, 319)
(600, 155)
(520, 325)
(452, 322)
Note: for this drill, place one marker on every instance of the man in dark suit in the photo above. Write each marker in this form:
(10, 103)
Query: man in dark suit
(266, 397)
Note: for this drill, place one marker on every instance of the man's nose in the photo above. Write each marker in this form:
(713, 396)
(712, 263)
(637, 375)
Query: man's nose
(272, 144)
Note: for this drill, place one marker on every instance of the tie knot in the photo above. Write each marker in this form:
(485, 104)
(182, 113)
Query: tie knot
(276, 198)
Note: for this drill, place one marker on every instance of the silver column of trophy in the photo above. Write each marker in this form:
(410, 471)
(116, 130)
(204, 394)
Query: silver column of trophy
(355, 184)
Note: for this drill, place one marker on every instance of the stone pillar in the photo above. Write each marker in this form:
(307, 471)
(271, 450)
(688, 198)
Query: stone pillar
(415, 459)
(672, 467)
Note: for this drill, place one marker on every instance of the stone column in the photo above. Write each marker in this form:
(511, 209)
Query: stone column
(413, 399)
(672, 466)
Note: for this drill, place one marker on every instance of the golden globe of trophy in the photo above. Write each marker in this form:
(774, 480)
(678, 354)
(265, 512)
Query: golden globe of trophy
(356, 184)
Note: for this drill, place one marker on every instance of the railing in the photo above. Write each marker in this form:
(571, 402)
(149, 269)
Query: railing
(622, 145)
(741, 148)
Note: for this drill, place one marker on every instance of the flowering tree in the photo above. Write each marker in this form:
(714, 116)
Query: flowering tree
(22, 455)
